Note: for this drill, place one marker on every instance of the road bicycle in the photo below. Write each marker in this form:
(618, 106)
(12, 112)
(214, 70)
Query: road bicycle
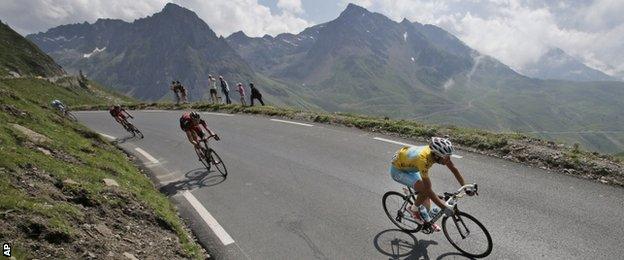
(131, 128)
(462, 230)
(209, 157)
(65, 112)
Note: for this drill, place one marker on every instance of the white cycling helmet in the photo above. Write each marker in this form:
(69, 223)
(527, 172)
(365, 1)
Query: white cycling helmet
(441, 146)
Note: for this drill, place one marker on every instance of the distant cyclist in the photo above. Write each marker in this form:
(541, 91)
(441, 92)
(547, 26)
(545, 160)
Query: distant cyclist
(118, 113)
(410, 166)
(191, 124)
(57, 104)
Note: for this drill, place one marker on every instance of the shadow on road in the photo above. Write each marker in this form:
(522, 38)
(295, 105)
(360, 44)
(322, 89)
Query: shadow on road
(123, 139)
(197, 178)
(401, 245)
(453, 255)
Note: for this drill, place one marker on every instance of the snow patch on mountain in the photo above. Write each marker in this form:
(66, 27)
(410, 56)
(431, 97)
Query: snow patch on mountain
(95, 51)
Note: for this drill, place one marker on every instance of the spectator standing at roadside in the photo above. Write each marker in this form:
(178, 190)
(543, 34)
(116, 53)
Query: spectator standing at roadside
(175, 90)
(182, 90)
(255, 94)
(212, 84)
(225, 89)
(241, 92)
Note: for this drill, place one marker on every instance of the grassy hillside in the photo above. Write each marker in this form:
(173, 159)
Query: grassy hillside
(23, 57)
(55, 203)
(65, 89)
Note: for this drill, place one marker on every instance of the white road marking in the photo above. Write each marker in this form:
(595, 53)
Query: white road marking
(225, 238)
(167, 175)
(216, 114)
(146, 155)
(291, 122)
(406, 144)
(392, 141)
(107, 136)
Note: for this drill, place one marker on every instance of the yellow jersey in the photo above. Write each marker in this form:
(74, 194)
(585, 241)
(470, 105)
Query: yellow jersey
(419, 158)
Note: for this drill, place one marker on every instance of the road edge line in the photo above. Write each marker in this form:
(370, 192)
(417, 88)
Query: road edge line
(212, 223)
(146, 155)
(290, 122)
(108, 136)
(216, 114)
(406, 144)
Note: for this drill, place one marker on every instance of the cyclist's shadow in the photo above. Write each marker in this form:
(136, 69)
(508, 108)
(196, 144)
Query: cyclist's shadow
(397, 244)
(193, 179)
(123, 139)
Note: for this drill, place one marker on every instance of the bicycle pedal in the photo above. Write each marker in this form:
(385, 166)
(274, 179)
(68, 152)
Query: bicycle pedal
(427, 230)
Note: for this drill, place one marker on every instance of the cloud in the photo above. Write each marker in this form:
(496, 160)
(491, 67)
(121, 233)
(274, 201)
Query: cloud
(223, 16)
(28, 16)
(518, 32)
(363, 3)
(292, 6)
(603, 14)
(228, 16)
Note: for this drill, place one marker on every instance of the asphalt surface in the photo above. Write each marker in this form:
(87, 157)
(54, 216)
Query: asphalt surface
(306, 192)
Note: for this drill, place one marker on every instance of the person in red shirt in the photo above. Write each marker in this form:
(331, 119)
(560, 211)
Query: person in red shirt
(118, 113)
(191, 124)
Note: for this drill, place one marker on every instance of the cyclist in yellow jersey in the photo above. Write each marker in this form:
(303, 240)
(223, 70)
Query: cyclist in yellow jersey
(410, 166)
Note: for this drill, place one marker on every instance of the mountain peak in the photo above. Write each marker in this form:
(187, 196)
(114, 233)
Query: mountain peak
(174, 9)
(239, 34)
(555, 52)
(557, 64)
(353, 9)
(172, 6)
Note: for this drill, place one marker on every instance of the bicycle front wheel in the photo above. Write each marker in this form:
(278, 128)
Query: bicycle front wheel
(395, 205)
(136, 131)
(467, 235)
(217, 162)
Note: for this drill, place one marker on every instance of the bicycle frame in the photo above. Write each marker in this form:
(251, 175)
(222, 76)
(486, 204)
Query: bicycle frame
(452, 200)
(204, 141)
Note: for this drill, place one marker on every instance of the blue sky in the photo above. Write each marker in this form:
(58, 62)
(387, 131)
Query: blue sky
(316, 11)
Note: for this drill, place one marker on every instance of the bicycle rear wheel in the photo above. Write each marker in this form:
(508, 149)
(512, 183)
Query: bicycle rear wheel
(395, 205)
(203, 158)
(467, 235)
(71, 116)
(217, 162)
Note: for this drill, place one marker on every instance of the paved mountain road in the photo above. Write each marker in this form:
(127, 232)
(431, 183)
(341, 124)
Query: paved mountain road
(304, 192)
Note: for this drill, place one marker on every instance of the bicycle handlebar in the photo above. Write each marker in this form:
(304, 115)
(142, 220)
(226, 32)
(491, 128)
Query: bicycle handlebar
(210, 136)
(458, 193)
(467, 186)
